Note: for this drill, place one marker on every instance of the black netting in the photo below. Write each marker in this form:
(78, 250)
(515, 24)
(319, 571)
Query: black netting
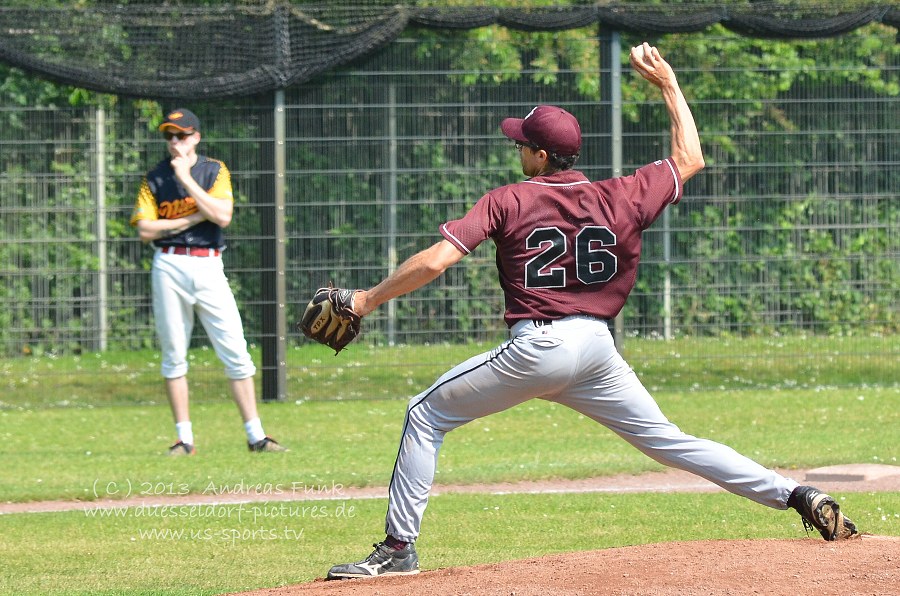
(892, 17)
(205, 52)
(548, 19)
(455, 18)
(649, 20)
(776, 25)
(322, 38)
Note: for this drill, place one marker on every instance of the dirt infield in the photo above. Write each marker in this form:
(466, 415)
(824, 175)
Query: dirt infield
(870, 565)
(867, 565)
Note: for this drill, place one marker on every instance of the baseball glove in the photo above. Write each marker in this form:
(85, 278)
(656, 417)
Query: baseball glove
(329, 318)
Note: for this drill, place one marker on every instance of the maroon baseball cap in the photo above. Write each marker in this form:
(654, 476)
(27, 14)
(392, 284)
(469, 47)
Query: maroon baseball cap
(181, 119)
(549, 127)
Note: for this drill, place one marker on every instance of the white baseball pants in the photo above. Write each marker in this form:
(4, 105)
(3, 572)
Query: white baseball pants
(574, 362)
(184, 285)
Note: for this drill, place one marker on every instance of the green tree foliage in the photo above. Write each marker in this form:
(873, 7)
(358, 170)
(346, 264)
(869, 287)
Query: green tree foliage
(806, 243)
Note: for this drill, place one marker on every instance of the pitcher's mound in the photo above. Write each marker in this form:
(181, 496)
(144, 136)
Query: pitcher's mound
(869, 565)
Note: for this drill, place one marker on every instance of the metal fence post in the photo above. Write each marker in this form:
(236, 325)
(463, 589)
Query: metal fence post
(274, 257)
(393, 259)
(611, 107)
(100, 196)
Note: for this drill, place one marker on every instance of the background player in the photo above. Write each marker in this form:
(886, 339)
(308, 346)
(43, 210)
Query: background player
(567, 256)
(182, 206)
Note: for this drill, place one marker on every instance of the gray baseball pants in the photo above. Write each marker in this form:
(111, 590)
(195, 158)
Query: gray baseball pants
(572, 361)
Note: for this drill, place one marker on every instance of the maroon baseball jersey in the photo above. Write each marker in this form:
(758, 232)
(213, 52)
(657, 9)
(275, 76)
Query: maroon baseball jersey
(566, 245)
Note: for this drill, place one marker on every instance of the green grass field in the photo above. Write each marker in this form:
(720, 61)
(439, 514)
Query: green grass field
(114, 449)
(364, 371)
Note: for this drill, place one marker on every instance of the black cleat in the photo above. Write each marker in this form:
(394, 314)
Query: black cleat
(821, 512)
(384, 561)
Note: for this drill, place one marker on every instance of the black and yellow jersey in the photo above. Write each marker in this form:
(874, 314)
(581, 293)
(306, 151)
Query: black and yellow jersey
(162, 196)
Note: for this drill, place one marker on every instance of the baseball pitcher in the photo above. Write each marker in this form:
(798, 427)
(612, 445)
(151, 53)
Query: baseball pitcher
(567, 257)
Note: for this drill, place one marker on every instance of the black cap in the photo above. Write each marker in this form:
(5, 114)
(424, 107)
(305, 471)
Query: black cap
(181, 119)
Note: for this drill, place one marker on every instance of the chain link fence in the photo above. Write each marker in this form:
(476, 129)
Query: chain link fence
(792, 231)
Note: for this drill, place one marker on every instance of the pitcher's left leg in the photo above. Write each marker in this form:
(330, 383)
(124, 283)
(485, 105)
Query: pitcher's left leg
(616, 398)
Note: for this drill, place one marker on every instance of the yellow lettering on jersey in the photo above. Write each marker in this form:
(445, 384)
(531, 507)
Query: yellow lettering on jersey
(178, 208)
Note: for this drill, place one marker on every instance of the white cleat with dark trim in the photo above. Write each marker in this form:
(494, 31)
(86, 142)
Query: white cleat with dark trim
(385, 560)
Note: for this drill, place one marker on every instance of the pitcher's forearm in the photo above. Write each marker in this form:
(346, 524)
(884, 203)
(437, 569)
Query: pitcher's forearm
(417, 271)
(686, 150)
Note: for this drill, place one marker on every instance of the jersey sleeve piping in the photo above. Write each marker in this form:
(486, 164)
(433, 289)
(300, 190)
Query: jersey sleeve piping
(677, 196)
(453, 239)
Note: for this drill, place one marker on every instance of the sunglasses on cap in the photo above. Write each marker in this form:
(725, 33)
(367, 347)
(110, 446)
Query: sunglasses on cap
(519, 146)
(179, 135)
